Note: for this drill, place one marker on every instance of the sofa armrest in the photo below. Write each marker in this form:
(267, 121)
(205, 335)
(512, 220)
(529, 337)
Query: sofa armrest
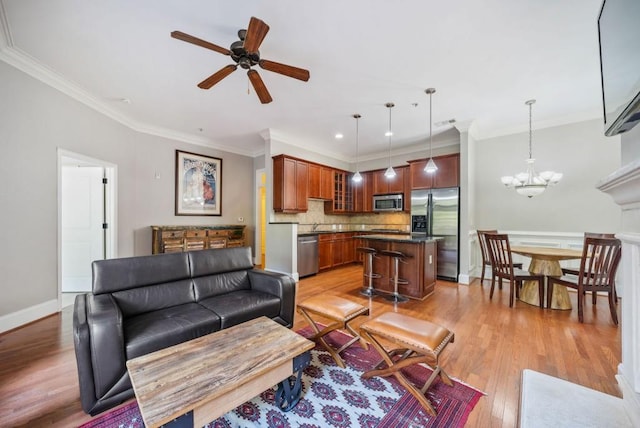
(106, 339)
(82, 342)
(280, 285)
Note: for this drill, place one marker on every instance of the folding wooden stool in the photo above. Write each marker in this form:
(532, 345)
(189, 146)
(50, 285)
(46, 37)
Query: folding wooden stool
(341, 312)
(420, 342)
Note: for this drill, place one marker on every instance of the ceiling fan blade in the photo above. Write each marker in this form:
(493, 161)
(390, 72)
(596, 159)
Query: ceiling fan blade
(199, 42)
(287, 70)
(217, 76)
(259, 87)
(255, 34)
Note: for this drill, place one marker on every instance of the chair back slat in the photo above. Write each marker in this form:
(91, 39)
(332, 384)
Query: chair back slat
(482, 240)
(599, 263)
(500, 254)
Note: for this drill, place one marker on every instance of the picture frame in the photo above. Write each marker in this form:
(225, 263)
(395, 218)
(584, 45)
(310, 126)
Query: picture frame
(198, 184)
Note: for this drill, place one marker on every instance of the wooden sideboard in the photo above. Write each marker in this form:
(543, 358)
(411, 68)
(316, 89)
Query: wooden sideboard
(171, 239)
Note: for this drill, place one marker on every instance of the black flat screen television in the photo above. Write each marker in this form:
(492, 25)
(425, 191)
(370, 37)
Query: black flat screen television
(619, 36)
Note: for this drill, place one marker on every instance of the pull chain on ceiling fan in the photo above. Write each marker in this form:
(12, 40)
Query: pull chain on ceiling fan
(246, 55)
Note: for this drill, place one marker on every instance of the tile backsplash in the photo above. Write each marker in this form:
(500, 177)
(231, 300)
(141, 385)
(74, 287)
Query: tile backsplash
(315, 214)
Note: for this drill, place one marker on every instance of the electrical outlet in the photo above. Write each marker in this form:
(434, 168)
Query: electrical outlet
(240, 219)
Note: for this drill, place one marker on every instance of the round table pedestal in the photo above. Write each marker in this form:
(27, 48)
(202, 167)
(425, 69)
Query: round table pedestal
(529, 292)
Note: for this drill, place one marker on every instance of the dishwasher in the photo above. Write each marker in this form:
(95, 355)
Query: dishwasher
(307, 255)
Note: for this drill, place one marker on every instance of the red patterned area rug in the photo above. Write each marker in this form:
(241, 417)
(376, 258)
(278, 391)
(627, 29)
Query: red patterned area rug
(335, 397)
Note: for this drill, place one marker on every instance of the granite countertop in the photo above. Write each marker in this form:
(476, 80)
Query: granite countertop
(406, 237)
(381, 231)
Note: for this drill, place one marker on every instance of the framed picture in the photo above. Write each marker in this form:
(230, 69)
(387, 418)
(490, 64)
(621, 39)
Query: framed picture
(198, 184)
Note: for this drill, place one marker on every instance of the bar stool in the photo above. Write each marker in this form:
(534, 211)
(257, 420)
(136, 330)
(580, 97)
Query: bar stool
(397, 257)
(369, 276)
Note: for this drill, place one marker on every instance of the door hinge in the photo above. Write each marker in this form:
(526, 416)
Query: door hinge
(104, 181)
(105, 225)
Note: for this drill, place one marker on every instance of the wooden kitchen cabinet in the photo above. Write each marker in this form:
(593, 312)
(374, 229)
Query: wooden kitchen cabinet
(342, 194)
(320, 182)
(290, 184)
(419, 270)
(335, 249)
(383, 185)
(447, 175)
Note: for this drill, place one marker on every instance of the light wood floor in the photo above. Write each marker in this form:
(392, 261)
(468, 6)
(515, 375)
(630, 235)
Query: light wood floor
(493, 344)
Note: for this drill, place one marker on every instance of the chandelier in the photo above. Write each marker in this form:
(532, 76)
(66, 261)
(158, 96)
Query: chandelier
(530, 183)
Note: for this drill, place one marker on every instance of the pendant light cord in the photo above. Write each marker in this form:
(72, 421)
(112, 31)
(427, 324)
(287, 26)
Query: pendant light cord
(389, 106)
(430, 125)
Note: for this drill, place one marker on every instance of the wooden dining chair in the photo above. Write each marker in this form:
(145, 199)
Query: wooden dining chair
(570, 271)
(486, 259)
(598, 266)
(503, 268)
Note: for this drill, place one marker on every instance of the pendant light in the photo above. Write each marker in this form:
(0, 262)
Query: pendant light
(389, 173)
(530, 183)
(430, 167)
(357, 178)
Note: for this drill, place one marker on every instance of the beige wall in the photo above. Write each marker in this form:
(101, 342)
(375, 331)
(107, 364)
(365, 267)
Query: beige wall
(36, 120)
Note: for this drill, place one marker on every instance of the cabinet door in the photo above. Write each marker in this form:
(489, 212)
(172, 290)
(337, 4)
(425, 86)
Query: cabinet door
(337, 250)
(314, 181)
(396, 184)
(412, 270)
(357, 189)
(302, 178)
(325, 256)
(448, 173)
(326, 183)
(380, 183)
(419, 178)
(367, 192)
(349, 248)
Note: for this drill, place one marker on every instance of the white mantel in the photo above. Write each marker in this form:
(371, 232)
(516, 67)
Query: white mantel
(624, 187)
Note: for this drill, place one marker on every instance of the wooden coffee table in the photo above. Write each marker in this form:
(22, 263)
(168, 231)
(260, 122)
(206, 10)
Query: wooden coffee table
(195, 382)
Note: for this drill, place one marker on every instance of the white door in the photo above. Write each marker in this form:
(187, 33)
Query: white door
(81, 228)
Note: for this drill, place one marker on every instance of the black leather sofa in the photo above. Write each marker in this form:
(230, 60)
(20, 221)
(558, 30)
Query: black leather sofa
(142, 304)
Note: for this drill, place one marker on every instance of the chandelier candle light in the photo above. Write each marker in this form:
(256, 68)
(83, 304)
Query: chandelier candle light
(430, 167)
(530, 183)
(357, 177)
(389, 173)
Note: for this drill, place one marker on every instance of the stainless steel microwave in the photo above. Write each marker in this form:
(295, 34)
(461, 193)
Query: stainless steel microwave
(387, 202)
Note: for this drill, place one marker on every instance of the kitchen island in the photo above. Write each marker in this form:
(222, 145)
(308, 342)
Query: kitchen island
(419, 269)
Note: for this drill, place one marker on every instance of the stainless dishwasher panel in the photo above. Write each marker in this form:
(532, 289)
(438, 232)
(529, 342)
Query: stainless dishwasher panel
(307, 255)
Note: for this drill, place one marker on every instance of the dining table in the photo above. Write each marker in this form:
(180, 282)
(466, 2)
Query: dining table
(546, 261)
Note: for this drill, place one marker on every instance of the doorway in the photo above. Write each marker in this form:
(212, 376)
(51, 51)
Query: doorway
(86, 232)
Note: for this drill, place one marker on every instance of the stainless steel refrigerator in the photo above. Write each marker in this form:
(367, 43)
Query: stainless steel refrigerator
(436, 212)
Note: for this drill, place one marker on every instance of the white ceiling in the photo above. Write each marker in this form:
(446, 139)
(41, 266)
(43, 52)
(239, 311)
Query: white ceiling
(485, 58)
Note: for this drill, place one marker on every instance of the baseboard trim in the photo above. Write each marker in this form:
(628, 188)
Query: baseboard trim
(463, 279)
(27, 315)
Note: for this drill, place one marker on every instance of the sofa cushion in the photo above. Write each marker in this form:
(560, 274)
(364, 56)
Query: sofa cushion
(210, 262)
(244, 305)
(214, 285)
(130, 272)
(167, 327)
(153, 297)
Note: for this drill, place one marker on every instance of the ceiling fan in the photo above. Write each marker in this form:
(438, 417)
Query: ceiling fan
(244, 53)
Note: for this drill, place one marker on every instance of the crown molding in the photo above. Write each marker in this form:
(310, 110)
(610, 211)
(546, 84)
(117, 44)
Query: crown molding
(623, 186)
(32, 67)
